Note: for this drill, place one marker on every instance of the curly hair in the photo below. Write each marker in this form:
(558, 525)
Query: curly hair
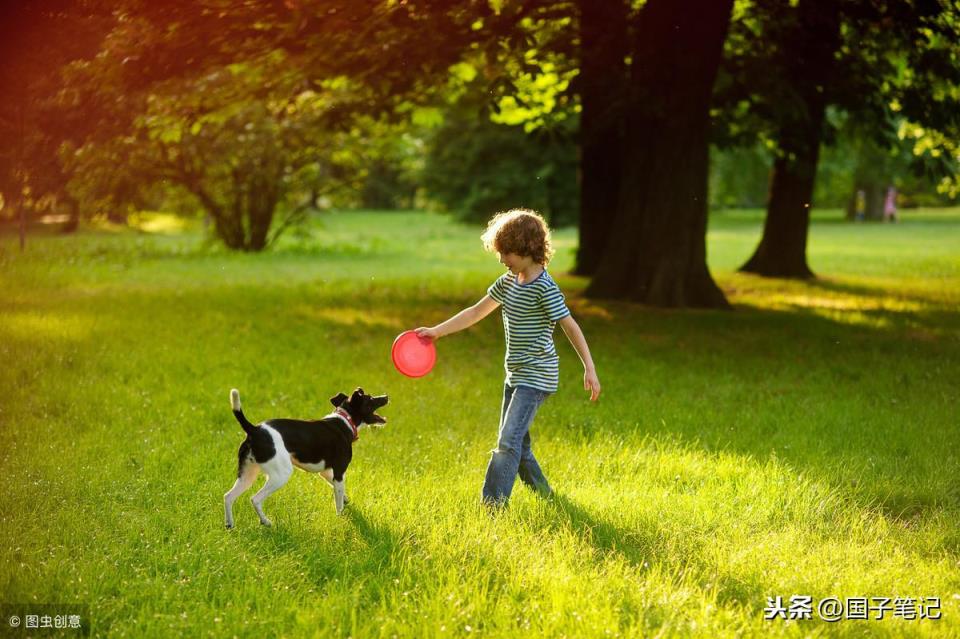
(521, 232)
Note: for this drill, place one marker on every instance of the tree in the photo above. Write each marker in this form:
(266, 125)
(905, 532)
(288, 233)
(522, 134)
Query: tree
(245, 107)
(32, 52)
(787, 66)
(642, 239)
(243, 139)
(808, 66)
(602, 86)
(475, 166)
(657, 254)
(656, 250)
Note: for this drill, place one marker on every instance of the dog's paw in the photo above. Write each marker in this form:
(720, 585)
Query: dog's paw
(229, 526)
(266, 522)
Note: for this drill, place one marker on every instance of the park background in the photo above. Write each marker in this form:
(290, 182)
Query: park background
(198, 196)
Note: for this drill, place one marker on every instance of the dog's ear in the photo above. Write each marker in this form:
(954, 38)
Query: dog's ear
(338, 399)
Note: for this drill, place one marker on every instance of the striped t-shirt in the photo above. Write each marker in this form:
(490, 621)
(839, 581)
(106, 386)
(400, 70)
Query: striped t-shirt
(530, 313)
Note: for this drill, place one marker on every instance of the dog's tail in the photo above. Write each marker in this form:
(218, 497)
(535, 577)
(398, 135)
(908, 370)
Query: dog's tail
(238, 413)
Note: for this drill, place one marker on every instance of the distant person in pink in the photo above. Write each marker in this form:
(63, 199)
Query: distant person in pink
(890, 205)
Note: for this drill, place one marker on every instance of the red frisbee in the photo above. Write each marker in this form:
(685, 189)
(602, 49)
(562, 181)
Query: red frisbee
(414, 356)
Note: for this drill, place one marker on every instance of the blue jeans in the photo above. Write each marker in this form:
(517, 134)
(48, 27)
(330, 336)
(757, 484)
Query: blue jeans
(513, 454)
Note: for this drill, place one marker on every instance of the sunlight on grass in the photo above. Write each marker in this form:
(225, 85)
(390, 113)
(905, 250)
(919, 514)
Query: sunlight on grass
(587, 308)
(153, 222)
(158, 222)
(350, 316)
(35, 326)
(847, 303)
(880, 303)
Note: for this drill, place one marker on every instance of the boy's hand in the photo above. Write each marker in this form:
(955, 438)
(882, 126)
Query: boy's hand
(592, 384)
(429, 333)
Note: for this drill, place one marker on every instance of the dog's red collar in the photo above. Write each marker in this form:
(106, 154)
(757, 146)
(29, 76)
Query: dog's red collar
(345, 416)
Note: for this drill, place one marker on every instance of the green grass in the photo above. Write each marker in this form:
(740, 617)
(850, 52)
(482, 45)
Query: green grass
(804, 444)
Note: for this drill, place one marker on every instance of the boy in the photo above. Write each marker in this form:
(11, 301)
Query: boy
(532, 306)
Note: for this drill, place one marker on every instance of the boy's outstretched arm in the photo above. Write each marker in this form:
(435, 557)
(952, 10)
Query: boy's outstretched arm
(590, 380)
(464, 319)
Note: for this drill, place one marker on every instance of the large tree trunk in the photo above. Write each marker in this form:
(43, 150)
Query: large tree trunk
(783, 248)
(808, 63)
(261, 206)
(601, 85)
(241, 217)
(656, 250)
(118, 216)
(73, 221)
(874, 192)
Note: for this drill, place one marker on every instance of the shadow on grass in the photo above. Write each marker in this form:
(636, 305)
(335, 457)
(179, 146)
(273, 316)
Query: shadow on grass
(642, 549)
(382, 542)
(354, 551)
(637, 547)
(873, 299)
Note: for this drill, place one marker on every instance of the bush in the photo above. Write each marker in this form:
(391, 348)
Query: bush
(475, 168)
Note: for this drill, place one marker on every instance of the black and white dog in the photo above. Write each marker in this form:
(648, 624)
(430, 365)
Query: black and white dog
(322, 446)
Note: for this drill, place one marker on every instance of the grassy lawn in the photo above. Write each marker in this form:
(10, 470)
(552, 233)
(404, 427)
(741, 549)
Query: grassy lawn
(806, 443)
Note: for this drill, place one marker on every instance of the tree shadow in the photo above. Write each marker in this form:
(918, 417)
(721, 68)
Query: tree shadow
(879, 294)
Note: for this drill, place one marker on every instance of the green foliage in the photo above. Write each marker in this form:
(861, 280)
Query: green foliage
(506, 135)
(538, 77)
(937, 155)
(893, 91)
(37, 39)
(246, 141)
(476, 167)
(739, 177)
(388, 158)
